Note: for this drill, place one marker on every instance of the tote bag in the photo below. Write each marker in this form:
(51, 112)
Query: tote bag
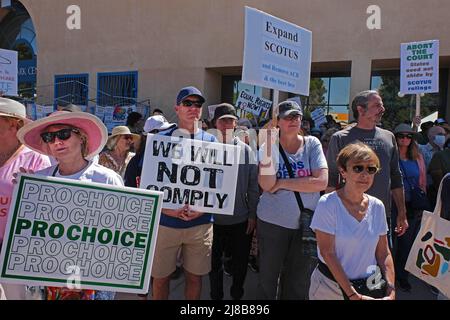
(429, 257)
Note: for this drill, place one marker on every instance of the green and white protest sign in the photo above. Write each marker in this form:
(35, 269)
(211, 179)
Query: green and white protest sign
(199, 173)
(81, 235)
(252, 103)
(419, 71)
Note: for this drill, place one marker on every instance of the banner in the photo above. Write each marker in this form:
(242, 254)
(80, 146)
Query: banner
(202, 174)
(66, 233)
(117, 116)
(419, 71)
(252, 103)
(277, 53)
(8, 72)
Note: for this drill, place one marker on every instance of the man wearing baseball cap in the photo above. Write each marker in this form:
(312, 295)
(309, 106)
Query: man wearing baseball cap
(235, 231)
(184, 229)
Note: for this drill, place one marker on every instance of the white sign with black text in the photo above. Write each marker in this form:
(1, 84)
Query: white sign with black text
(199, 173)
(277, 53)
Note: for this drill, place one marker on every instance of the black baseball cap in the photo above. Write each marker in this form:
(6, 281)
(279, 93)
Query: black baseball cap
(224, 110)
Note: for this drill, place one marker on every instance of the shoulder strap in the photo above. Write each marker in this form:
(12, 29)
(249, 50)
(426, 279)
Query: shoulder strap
(55, 171)
(291, 175)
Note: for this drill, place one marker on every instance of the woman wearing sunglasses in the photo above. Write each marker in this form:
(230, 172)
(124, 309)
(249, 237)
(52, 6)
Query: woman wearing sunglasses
(119, 146)
(413, 170)
(73, 139)
(351, 232)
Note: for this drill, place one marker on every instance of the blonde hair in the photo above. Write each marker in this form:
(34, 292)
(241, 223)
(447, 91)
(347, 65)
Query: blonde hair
(112, 142)
(357, 152)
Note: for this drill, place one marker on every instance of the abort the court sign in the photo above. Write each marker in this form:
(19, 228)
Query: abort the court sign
(67, 233)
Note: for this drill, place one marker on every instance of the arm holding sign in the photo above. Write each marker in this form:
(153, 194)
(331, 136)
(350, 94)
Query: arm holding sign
(267, 163)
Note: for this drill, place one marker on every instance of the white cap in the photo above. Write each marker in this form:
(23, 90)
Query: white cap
(157, 122)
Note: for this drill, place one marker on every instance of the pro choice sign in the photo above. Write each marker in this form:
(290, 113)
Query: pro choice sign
(60, 231)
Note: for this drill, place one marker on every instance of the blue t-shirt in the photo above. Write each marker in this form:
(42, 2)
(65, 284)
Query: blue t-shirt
(172, 222)
(410, 173)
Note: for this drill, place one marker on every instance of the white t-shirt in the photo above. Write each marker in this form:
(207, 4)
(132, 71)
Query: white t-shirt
(355, 242)
(281, 208)
(93, 172)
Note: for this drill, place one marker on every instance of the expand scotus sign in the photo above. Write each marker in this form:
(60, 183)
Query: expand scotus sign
(60, 231)
(277, 54)
(8, 72)
(419, 71)
(199, 173)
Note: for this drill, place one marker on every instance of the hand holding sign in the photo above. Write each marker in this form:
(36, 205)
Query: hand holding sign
(187, 214)
(21, 170)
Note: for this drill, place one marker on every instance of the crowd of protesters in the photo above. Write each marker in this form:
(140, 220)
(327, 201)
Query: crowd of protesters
(318, 209)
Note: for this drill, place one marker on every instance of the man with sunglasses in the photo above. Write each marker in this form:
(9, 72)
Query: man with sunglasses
(368, 108)
(184, 229)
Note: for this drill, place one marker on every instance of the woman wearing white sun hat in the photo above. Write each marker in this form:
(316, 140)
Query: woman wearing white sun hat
(73, 139)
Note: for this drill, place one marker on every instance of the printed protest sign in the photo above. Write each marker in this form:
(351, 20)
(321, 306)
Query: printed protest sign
(277, 53)
(202, 174)
(419, 72)
(318, 115)
(8, 72)
(99, 236)
(252, 103)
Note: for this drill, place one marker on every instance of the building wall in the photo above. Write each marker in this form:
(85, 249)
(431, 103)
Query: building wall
(177, 42)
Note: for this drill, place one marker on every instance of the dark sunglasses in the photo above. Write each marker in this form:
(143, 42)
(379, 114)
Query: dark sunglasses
(404, 135)
(128, 137)
(190, 103)
(62, 134)
(369, 169)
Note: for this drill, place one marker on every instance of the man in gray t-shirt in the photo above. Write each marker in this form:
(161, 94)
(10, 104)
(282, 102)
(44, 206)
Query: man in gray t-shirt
(368, 109)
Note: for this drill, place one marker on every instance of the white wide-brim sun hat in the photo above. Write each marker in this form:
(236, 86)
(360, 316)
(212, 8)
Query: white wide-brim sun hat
(93, 127)
(13, 109)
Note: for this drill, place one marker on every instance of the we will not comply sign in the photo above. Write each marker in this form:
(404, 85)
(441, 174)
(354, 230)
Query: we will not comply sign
(62, 231)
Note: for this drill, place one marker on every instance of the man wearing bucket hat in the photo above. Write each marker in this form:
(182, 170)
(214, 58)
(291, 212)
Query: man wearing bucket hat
(13, 156)
(73, 139)
(119, 146)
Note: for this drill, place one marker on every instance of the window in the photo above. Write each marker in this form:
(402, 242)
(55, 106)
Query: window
(119, 88)
(331, 94)
(71, 88)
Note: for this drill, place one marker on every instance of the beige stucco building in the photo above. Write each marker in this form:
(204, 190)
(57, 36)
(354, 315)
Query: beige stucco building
(174, 43)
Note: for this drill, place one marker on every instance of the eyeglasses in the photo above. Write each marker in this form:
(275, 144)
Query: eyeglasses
(369, 169)
(62, 134)
(127, 137)
(190, 103)
(404, 135)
